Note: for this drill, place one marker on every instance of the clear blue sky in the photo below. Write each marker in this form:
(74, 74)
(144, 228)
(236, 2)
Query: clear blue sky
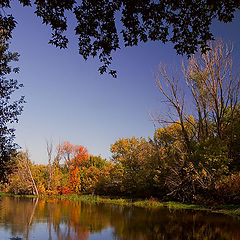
(68, 100)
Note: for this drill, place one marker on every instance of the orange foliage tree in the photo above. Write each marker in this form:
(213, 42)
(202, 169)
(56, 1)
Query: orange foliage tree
(73, 155)
(76, 157)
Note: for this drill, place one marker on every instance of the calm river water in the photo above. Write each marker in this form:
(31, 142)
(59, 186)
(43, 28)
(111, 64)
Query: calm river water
(24, 218)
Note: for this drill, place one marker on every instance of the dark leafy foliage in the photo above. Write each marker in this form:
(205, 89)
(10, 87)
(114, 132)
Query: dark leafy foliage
(9, 110)
(185, 23)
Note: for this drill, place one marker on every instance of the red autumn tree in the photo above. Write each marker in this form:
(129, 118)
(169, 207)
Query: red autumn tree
(73, 155)
(80, 158)
(76, 158)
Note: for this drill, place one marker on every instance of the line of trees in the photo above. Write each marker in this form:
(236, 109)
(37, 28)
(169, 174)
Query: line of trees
(186, 24)
(194, 156)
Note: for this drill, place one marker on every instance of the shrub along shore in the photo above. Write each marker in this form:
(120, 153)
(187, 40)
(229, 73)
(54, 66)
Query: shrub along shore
(231, 209)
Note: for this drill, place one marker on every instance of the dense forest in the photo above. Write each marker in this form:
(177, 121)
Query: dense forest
(194, 156)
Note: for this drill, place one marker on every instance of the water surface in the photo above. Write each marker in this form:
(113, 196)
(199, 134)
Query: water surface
(24, 218)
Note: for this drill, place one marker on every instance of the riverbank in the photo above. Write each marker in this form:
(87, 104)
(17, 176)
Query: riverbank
(231, 209)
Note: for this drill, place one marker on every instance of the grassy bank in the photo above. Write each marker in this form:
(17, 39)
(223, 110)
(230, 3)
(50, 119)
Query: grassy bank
(232, 210)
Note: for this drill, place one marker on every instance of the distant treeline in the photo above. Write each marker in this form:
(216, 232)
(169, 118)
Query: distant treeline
(193, 157)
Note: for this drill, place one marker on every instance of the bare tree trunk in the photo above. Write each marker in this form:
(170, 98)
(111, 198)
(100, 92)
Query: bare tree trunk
(34, 185)
(49, 153)
(24, 172)
(170, 90)
(35, 190)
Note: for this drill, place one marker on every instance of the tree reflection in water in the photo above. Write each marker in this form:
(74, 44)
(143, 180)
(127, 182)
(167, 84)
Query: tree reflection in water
(56, 219)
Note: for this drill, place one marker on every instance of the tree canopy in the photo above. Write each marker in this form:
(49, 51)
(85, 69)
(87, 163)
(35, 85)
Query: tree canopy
(185, 23)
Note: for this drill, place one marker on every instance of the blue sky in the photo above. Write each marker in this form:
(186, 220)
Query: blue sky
(68, 100)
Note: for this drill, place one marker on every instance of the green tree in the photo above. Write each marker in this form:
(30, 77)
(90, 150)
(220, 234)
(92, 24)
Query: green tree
(174, 162)
(135, 158)
(231, 136)
(9, 110)
(184, 23)
(97, 161)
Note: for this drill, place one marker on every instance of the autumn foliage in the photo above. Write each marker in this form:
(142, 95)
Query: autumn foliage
(190, 158)
(73, 155)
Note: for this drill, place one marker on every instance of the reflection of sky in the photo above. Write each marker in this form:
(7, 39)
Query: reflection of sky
(6, 234)
(105, 234)
(40, 231)
(68, 100)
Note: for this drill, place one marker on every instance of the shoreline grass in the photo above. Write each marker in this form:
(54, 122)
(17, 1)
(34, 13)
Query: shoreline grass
(231, 209)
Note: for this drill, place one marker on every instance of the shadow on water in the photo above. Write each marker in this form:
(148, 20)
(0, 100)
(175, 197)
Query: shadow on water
(23, 218)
